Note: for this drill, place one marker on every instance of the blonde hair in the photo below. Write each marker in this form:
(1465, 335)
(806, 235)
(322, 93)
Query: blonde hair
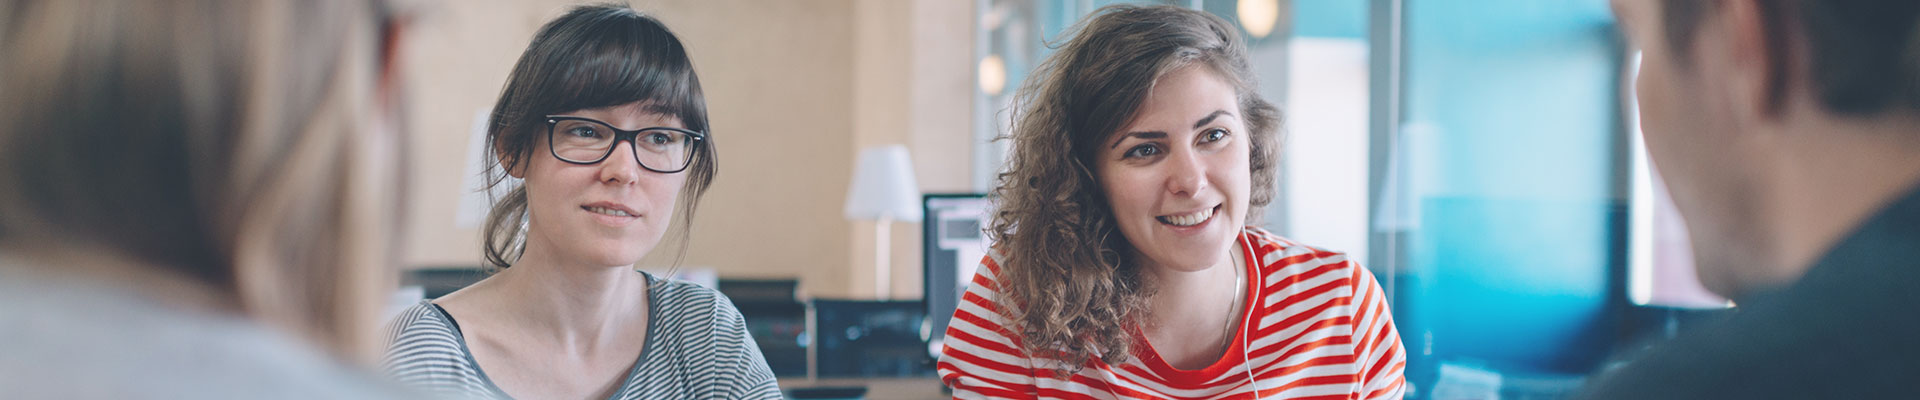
(1066, 284)
(228, 142)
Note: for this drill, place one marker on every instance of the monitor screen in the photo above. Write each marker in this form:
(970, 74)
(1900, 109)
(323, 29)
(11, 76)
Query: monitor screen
(954, 240)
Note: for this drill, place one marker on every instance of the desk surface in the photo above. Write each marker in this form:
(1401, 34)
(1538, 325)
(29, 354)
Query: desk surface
(880, 388)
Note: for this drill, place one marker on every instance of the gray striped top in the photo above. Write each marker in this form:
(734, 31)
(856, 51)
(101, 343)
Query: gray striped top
(697, 348)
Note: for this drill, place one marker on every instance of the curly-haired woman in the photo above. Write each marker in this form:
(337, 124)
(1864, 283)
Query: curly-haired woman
(1123, 266)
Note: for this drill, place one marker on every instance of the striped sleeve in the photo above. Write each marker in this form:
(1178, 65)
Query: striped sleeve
(981, 359)
(749, 377)
(424, 353)
(699, 349)
(1378, 353)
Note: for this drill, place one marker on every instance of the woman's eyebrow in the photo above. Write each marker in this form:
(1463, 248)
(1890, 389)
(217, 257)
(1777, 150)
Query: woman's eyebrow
(1210, 117)
(1141, 134)
(661, 109)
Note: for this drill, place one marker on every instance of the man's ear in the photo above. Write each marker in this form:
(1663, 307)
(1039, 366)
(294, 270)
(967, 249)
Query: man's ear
(1756, 58)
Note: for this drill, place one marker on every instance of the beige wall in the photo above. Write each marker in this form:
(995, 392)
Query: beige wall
(915, 85)
(794, 89)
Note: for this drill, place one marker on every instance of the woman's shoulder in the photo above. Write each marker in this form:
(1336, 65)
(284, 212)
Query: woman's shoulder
(423, 338)
(689, 317)
(989, 268)
(689, 305)
(1275, 252)
(673, 296)
(423, 319)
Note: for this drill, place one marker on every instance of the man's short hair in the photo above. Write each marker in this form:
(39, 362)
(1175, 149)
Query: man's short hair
(1864, 55)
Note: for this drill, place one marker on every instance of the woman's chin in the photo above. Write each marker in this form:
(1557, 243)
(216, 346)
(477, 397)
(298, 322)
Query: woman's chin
(1189, 260)
(612, 258)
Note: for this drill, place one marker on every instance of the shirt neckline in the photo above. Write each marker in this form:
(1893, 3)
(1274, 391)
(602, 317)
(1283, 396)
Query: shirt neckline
(1228, 360)
(633, 373)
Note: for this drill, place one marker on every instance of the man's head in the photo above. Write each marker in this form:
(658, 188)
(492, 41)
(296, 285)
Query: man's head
(1726, 86)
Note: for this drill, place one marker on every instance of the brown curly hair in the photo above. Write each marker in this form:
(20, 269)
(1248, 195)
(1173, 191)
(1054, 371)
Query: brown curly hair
(1066, 284)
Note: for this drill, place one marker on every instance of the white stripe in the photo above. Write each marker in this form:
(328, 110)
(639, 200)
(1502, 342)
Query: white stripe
(1134, 376)
(690, 323)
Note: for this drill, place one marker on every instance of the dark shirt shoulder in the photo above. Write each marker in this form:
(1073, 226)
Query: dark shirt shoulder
(1848, 329)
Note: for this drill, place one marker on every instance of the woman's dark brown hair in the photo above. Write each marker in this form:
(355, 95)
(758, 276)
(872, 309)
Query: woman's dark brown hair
(1065, 282)
(594, 56)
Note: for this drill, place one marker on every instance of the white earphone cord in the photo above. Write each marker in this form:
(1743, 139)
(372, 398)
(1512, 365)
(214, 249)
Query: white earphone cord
(1246, 336)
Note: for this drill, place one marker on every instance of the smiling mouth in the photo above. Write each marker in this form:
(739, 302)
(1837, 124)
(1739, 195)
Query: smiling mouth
(1190, 219)
(607, 211)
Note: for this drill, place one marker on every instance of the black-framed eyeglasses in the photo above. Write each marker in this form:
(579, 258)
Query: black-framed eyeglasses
(580, 140)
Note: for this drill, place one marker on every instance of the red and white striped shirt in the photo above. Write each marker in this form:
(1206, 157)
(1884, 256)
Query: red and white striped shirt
(1320, 330)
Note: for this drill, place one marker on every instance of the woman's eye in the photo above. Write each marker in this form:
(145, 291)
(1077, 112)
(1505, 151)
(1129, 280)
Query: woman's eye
(1214, 135)
(585, 132)
(1145, 150)
(660, 138)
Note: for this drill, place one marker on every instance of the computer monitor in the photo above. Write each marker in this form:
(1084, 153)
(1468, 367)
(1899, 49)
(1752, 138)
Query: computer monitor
(954, 241)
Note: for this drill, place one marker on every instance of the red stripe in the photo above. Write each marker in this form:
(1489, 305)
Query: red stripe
(1302, 317)
(1360, 314)
(1052, 393)
(1310, 381)
(1375, 354)
(977, 299)
(983, 323)
(1330, 360)
(1291, 280)
(1292, 348)
(983, 282)
(1109, 388)
(955, 377)
(1386, 358)
(1308, 293)
(951, 375)
(1380, 336)
(973, 344)
(1391, 387)
(983, 362)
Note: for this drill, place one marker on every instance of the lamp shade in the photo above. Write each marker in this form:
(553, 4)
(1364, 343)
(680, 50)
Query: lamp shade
(883, 186)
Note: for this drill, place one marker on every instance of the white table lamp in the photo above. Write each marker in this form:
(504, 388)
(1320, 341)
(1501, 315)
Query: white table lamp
(883, 191)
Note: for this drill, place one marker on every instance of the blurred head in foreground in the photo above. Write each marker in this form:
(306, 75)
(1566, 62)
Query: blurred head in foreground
(230, 159)
(1776, 124)
(1788, 133)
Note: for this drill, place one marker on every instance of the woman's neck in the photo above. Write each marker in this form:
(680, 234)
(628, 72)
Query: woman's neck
(1181, 294)
(580, 306)
(1194, 314)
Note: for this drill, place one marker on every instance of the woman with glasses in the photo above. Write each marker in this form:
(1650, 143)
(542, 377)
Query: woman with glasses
(604, 121)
